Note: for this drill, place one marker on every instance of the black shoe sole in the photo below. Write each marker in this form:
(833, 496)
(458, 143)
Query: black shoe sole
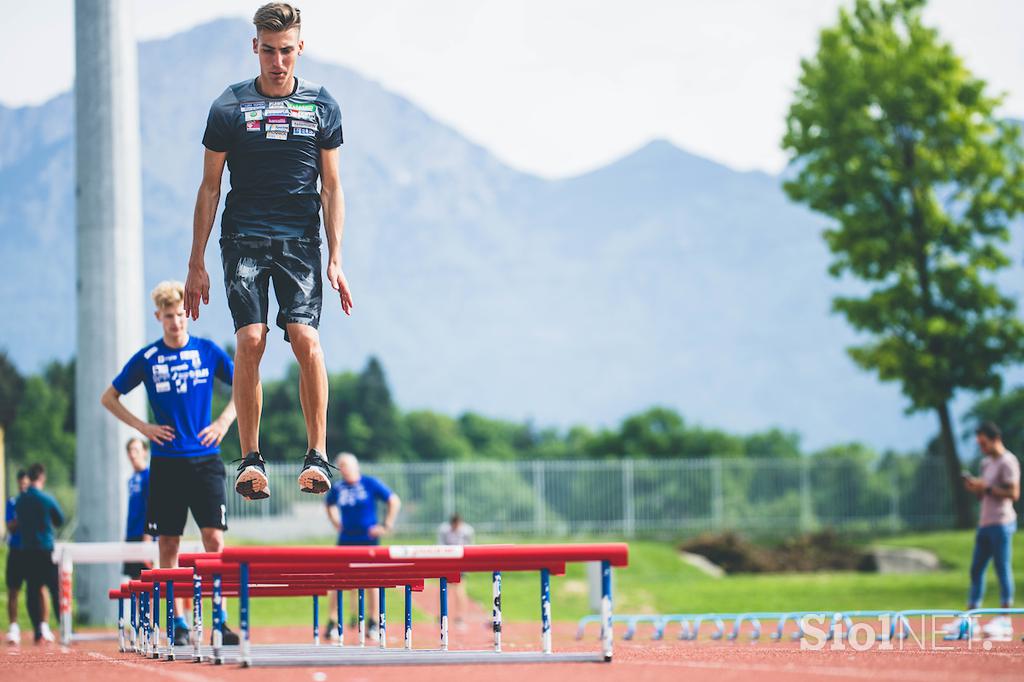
(252, 486)
(314, 484)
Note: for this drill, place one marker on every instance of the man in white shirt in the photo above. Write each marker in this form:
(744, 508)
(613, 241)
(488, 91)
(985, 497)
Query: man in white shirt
(456, 532)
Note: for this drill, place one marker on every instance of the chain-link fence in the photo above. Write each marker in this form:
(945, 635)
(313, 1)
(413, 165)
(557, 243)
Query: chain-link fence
(629, 496)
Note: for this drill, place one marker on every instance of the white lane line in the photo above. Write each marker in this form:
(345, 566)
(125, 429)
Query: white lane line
(154, 669)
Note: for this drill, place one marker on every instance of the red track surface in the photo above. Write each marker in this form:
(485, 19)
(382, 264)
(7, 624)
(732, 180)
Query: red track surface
(634, 661)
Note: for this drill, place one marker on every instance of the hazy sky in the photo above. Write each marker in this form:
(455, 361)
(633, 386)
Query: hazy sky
(557, 87)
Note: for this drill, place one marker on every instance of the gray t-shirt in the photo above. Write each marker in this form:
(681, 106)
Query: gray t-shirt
(1001, 470)
(460, 535)
(273, 156)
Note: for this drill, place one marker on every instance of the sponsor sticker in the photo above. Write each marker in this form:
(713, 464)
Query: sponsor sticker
(304, 106)
(277, 119)
(302, 115)
(250, 106)
(296, 123)
(254, 115)
(160, 372)
(304, 132)
(252, 126)
(277, 127)
(163, 386)
(149, 353)
(278, 106)
(277, 136)
(425, 551)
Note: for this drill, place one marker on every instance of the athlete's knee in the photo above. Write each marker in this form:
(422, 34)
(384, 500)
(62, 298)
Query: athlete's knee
(252, 340)
(213, 539)
(305, 343)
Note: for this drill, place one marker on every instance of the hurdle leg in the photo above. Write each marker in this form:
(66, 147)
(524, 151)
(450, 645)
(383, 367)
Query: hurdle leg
(545, 610)
(316, 620)
(65, 575)
(243, 612)
(606, 609)
(444, 614)
(120, 624)
(362, 617)
(496, 609)
(381, 620)
(170, 620)
(197, 616)
(408, 617)
(134, 622)
(218, 622)
(155, 653)
(341, 619)
(143, 623)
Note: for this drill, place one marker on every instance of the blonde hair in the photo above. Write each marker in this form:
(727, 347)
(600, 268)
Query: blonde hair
(276, 17)
(168, 293)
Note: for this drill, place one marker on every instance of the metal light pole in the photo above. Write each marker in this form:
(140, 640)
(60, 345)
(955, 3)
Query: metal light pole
(109, 276)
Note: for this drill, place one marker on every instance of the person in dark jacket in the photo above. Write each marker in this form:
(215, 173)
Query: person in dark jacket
(38, 513)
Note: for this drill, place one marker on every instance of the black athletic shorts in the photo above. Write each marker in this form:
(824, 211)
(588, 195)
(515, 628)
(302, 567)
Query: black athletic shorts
(293, 264)
(16, 572)
(177, 484)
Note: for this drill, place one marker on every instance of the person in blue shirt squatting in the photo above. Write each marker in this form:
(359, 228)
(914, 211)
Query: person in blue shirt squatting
(15, 572)
(186, 471)
(37, 514)
(278, 135)
(352, 510)
(138, 494)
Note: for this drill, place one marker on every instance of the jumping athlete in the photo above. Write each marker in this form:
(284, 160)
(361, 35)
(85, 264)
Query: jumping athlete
(277, 134)
(186, 471)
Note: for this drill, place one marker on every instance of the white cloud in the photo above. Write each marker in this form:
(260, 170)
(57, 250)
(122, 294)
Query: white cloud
(559, 87)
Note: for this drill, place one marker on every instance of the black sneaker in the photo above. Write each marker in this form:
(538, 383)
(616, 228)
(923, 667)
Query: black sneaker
(181, 637)
(230, 637)
(315, 476)
(251, 481)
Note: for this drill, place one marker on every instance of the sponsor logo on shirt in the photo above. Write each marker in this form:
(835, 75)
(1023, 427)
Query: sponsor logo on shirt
(166, 358)
(149, 353)
(277, 127)
(299, 123)
(277, 106)
(252, 126)
(303, 106)
(163, 386)
(254, 115)
(249, 106)
(277, 119)
(160, 372)
(302, 114)
(191, 356)
(305, 132)
(277, 136)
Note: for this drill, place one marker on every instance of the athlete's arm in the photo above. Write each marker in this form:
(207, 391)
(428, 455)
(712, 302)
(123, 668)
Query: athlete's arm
(214, 433)
(332, 198)
(158, 433)
(197, 284)
(394, 504)
(333, 516)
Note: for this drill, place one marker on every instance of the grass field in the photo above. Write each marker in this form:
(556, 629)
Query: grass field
(658, 581)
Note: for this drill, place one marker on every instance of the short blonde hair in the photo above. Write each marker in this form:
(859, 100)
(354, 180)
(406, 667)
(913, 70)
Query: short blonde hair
(168, 293)
(276, 17)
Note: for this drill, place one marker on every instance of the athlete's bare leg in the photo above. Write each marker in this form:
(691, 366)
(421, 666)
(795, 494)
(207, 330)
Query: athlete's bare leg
(305, 342)
(247, 390)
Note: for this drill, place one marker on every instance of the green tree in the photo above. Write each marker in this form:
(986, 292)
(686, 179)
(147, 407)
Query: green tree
(374, 404)
(898, 143)
(38, 433)
(1007, 411)
(11, 386)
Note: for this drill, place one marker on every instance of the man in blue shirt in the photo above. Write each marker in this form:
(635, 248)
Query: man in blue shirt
(277, 134)
(352, 510)
(138, 495)
(15, 561)
(186, 471)
(37, 514)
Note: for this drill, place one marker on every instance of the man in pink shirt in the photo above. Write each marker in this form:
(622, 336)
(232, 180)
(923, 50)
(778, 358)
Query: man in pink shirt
(997, 488)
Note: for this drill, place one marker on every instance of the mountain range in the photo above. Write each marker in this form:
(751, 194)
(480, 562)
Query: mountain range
(661, 278)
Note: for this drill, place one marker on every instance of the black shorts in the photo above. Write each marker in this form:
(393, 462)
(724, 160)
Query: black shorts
(293, 264)
(177, 484)
(16, 571)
